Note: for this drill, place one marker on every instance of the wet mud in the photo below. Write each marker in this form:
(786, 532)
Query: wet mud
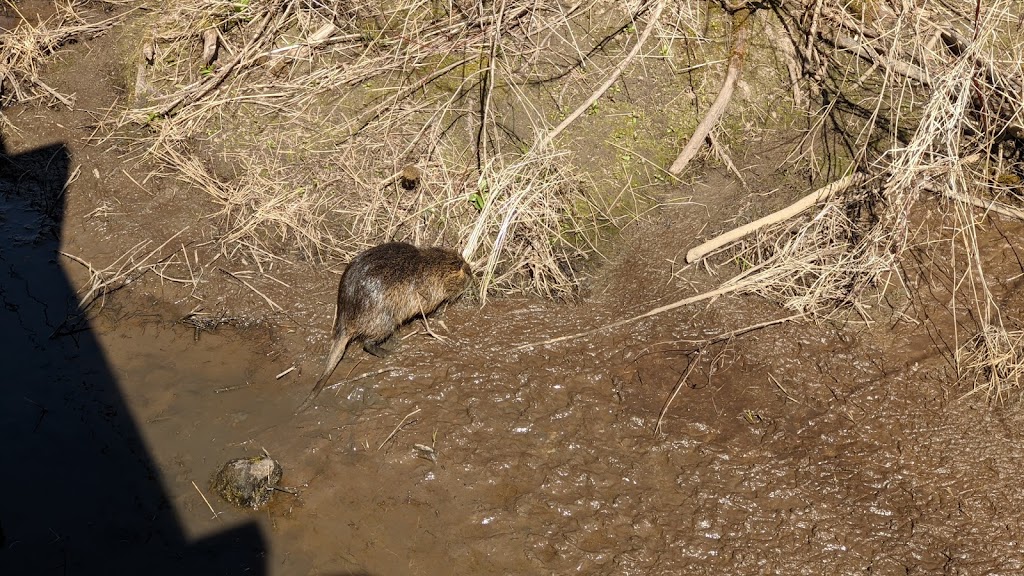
(836, 448)
(799, 449)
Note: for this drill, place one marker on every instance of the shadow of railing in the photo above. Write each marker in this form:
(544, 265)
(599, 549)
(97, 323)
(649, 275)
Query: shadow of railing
(79, 492)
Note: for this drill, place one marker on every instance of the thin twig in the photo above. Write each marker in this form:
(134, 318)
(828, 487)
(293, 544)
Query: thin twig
(775, 381)
(360, 377)
(251, 287)
(645, 159)
(616, 72)
(720, 338)
(986, 205)
(395, 431)
(723, 154)
(376, 111)
(203, 496)
(724, 289)
(740, 331)
(303, 50)
(676, 388)
(190, 96)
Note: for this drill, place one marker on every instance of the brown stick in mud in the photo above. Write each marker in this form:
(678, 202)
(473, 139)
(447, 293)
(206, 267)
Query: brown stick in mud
(823, 193)
(730, 286)
(675, 389)
(397, 428)
(739, 49)
(700, 350)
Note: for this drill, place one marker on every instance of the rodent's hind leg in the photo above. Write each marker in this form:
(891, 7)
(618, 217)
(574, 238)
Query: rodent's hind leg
(375, 348)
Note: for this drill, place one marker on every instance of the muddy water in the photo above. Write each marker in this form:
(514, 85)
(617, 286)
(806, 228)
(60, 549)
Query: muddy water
(799, 449)
(793, 451)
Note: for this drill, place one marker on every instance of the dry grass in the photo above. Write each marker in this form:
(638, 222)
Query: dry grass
(299, 129)
(24, 50)
(994, 359)
(126, 269)
(533, 226)
(921, 111)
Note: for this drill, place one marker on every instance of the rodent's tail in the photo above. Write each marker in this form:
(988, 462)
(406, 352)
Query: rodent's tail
(337, 352)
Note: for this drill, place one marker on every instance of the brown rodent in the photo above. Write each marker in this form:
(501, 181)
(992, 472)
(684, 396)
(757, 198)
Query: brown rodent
(382, 288)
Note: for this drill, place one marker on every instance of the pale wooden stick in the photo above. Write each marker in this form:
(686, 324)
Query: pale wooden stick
(698, 252)
(299, 51)
(397, 428)
(721, 102)
(898, 66)
(655, 14)
(63, 99)
(986, 205)
(215, 515)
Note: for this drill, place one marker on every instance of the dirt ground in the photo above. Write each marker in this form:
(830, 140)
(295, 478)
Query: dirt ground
(839, 448)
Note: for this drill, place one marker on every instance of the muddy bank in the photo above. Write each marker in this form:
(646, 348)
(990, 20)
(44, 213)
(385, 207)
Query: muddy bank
(796, 449)
(805, 451)
(799, 449)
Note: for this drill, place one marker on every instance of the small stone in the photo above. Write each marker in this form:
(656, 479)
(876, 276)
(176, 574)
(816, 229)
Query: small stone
(248, 482)
(410, 177)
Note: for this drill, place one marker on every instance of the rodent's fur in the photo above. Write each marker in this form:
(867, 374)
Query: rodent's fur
(382, 288)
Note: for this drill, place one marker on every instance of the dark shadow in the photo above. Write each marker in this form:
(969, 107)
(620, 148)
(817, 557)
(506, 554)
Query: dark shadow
(79, 493)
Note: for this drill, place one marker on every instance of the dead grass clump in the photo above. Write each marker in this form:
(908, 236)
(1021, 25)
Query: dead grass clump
(534, 228)
(993, 360)
(127, 268)
(317, 108)
(264, 213)
(24, 49)
(840, 255)
(925, 101)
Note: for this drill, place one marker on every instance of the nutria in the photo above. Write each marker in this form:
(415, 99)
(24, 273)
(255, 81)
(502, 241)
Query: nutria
(382, 288)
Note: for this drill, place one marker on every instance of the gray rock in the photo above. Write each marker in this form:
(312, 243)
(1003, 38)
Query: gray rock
(248, 482)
